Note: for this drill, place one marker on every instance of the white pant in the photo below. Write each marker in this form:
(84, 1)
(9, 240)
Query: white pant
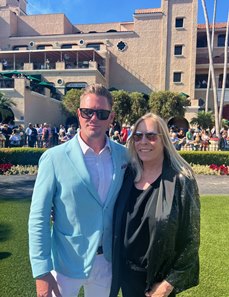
(97, 285)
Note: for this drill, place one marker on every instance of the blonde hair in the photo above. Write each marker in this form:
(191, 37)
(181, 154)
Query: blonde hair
(177, 162)
(98, 90)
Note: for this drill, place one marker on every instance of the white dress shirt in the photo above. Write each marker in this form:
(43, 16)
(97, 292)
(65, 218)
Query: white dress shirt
(99, 166)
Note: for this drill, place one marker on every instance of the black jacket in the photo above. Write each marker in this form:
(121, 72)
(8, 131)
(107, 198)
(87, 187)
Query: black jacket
(174, 235)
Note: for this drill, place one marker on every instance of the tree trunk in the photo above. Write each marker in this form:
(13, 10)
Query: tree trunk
(224, 73)
(212, 49)
(214, 87)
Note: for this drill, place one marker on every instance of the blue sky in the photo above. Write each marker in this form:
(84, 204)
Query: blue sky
(103, 11)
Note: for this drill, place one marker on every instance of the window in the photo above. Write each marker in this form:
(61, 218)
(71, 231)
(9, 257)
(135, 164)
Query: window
(220, 83)
(20, 47)
(111, 30)
(221, 40)
(201, 81)
(122, 46)
(67, 45)
(177, 77)
(179, 23)
(75, 85)
(96, 46)
(201, 40)
(178, 50)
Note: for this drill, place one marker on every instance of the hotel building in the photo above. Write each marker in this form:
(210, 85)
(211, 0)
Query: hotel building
(161, 49)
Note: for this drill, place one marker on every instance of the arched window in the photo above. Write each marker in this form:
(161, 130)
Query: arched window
(75, 85)
(20, 47)
(96, 46)
(111, 30)
(68, 45)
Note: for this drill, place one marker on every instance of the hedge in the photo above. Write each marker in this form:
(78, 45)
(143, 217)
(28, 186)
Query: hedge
(206, 157)
(21, 156)
(30, 156)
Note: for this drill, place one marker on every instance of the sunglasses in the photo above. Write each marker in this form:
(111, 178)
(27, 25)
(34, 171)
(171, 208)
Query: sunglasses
(102, 114)
(151, 136)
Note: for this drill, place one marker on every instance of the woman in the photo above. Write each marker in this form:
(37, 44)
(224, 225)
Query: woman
(156, 218)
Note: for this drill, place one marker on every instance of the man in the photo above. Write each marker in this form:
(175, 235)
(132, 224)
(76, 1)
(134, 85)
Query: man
(81, 180)
(31, 134)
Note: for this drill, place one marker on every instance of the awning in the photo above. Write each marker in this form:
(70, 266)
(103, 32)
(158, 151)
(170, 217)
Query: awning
(46, 84)
(184, 94)
(30, 77)
(11, 73)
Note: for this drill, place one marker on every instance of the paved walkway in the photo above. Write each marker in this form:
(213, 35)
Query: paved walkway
(21, 186)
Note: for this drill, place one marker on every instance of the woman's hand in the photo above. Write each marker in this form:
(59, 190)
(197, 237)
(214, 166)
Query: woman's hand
(162, 289)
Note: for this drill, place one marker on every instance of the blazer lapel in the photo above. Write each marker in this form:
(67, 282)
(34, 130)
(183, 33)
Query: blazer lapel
(75, 156)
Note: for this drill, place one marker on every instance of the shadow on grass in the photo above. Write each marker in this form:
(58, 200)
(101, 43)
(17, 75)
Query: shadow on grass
(4, 255)
(5, 232)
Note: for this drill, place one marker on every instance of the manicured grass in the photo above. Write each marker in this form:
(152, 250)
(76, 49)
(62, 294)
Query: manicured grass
(15, 272)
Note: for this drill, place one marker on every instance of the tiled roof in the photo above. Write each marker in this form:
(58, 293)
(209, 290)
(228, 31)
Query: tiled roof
(148, 10)
(217, 26)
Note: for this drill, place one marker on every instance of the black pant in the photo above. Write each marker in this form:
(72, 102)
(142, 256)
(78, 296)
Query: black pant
(133, 283)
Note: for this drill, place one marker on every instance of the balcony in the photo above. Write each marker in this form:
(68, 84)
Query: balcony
(51, 60)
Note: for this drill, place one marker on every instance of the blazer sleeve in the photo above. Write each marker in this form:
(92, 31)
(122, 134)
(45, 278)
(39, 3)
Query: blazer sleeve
(184, 273)
(39, 218)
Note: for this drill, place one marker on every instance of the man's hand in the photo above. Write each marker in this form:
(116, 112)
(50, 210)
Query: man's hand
(46, 285)
(162, 289)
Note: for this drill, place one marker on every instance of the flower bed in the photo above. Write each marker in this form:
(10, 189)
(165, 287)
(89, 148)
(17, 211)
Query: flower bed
(221, 170)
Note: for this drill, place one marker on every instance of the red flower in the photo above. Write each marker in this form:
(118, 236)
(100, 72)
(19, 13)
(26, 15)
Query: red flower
(222, 169)
(5, 167)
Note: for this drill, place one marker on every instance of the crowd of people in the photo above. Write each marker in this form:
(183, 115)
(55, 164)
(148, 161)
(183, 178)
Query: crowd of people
(198, 139)
(38, 135)
(45, 135)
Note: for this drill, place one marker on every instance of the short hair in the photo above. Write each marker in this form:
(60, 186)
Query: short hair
(99, 90)
(177, 162)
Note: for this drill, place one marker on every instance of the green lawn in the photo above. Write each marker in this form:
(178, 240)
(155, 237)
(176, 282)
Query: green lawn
(15, 273)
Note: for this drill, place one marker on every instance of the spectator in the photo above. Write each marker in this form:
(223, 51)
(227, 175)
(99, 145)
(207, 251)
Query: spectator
(116, 137)
(175, 140)
(205, 140)
(124, 134)
(46, 135)
(15, 138)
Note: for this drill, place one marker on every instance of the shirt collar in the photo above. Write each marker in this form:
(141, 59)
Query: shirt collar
(85, 148)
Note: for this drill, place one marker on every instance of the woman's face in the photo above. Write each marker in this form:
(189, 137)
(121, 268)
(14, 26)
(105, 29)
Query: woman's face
(149, 150)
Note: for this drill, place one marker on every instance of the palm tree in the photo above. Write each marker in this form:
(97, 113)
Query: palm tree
(211, 69)
(224, 72)
(212, 47)
(203, 119)
(5, 107)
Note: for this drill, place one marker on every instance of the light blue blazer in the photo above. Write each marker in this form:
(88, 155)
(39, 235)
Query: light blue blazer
(81, 221)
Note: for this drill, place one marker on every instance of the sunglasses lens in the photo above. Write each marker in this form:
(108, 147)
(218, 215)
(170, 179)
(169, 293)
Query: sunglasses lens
(86, 113)
(101, 114)
(150, 136)
(137, 136)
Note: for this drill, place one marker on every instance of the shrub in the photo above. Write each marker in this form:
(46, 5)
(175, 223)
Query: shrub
(21, 156)
(206, 157)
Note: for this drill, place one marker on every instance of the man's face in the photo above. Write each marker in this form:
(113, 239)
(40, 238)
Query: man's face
(93, 128)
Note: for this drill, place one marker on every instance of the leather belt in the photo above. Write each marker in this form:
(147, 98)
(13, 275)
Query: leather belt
(99, 250)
